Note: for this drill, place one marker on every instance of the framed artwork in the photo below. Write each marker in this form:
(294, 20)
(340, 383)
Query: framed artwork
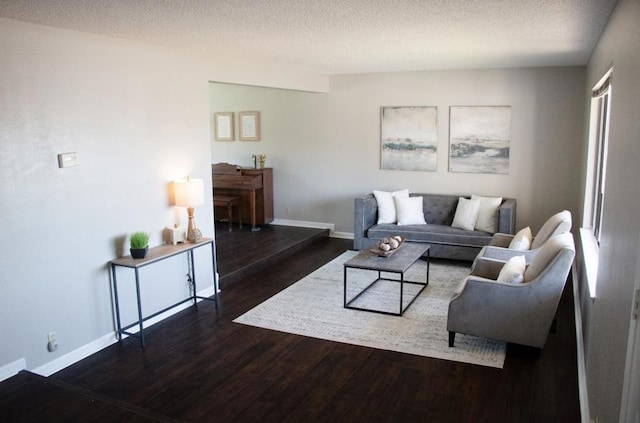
(409, 138)
(479, 139)
(249, 125)
(223, 126)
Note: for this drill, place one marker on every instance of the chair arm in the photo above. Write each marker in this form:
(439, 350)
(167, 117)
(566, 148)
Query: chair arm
(478, 283)
(504, 254)
(500, 239)
(366, 215)
(507, 216)
(487, 268)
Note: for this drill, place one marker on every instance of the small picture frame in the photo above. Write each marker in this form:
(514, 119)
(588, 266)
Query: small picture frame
(223, 127)
(249, 126)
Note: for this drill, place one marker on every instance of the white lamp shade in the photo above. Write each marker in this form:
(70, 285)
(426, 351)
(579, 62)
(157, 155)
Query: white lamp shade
(189, 193)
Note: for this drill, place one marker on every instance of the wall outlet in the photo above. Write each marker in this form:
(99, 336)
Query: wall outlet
(287, 210)
(52, 341)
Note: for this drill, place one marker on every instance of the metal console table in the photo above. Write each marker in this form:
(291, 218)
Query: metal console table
(155, 255)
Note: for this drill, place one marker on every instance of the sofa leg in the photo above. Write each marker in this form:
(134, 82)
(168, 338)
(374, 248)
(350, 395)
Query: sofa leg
(452, 337)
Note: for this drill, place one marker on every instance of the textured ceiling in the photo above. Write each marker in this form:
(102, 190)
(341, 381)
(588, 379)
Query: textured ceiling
(345, 36)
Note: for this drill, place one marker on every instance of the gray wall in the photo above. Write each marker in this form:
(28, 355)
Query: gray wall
(325, 148)
(607, 319)
(137, 114)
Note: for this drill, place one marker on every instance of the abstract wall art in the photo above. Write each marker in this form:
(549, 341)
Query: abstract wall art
(409, 138)
(479, 139)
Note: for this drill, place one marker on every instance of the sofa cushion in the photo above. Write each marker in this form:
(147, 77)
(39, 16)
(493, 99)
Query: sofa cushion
(439, 209)
(436, 234)
(488, 215)
(466, 214)
(409, 211)
(387, 204)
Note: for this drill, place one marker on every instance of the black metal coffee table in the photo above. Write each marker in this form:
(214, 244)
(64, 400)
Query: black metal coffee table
(398, 263)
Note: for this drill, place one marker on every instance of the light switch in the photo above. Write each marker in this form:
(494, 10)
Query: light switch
(67, 160)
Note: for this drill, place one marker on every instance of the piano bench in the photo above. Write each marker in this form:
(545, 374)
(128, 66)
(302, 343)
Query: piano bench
(228, 202)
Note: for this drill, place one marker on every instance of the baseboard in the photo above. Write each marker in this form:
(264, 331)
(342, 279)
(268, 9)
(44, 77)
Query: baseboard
(582, 370)
(304, 224)
(341, 235)
(93, 347)
(76, 355)
(12, 369)
(314, 225)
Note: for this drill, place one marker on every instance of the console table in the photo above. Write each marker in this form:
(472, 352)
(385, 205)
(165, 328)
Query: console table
(155, 255)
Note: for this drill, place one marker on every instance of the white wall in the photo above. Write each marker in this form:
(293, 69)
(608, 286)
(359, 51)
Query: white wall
(137, 114)
(606, 324)
(325, 148)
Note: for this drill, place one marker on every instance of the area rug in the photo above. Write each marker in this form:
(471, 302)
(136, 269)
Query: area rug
(313, 307)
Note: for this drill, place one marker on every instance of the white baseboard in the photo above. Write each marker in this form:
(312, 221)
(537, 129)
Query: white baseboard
(342, 235)
(304, 224)
(12, 369)
(76, 355)
(582, 370)
(93, 347)
(314, 225)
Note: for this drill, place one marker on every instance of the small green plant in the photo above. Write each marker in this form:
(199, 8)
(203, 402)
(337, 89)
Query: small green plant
(139, 240)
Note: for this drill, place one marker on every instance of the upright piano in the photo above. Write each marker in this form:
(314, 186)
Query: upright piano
(254, 187)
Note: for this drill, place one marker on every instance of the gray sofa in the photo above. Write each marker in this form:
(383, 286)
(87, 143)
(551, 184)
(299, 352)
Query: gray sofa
(439, 210)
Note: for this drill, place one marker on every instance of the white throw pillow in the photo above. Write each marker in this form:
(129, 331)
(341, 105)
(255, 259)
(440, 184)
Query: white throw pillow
(521, 240)
(488, 215)
(387, 205)
(410, 211)
(513, 270)
(466, 214)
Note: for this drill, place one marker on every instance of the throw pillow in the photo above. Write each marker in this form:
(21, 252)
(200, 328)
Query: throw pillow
(513, 270)
(488, 215)
(521, 240)
(410, 211)
(387, 205)
(466, 214)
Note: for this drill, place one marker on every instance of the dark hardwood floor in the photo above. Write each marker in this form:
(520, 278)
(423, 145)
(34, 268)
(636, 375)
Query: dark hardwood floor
(200, 366)
(241, 252)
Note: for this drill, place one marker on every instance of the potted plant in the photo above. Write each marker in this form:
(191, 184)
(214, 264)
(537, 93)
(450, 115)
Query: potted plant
(139, 244)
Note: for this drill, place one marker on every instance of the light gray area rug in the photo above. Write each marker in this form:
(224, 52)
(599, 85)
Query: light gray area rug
(313, 307)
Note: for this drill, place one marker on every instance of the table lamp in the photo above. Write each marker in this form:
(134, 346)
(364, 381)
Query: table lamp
(190, 193)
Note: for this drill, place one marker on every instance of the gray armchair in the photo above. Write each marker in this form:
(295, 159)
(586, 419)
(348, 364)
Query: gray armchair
(498, 249)
(518, 313)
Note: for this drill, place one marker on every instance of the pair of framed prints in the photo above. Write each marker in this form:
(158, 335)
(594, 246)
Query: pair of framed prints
(479, 138)
(248, 126)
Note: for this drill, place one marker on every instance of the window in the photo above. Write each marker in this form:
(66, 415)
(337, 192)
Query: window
(597, 166)
(591, 231)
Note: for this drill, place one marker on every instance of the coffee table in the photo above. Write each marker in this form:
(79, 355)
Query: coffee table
(398, 263)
